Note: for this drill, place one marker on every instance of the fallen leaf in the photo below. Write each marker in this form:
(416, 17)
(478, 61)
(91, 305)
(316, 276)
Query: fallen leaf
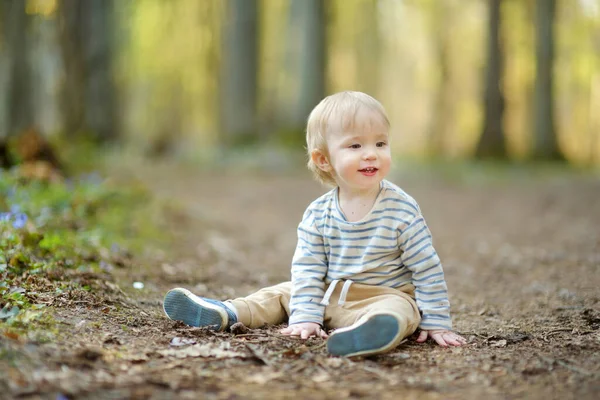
(91, 353)
(136, 358)
(399, 356)
(498, 343)
(8, 312)
(204, 350)
(321, 377)
(80, 324)
(263, 378)
(11, 335)
(178, 341)
(111, 339)
(334, 362)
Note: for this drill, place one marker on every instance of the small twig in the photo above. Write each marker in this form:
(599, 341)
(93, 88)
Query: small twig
(562, 363)
(255, 341)
(381, 374)
(475, 334)
(296, 369)
(318, 346)
(250, 334)
(258, 354)
(570, 330)
(278, 353)
(322, 365)
(553, 331)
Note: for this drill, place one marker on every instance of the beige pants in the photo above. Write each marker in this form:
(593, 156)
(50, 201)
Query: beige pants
(270, 306)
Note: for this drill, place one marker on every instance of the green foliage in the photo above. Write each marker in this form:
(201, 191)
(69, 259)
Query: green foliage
(85, 225)
(291, 138)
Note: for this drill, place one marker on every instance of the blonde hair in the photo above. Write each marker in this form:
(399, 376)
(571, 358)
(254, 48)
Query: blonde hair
(336, 112)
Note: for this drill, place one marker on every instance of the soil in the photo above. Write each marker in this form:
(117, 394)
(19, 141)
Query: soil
(522, 261)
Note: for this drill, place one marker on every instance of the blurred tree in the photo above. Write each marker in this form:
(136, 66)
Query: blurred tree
(594, 130)
(307, 25)
(304, 67)
(545, 143)
(441, 20)
(88, 91)
(492, 141)
(239, 74)
(368, 46)
(519, 75)
(19, 113)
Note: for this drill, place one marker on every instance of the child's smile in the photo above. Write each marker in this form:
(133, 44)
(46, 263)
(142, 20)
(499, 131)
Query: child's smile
(369, 171)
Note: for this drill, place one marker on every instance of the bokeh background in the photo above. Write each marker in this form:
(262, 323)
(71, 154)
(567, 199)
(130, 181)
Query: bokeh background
(507, 79)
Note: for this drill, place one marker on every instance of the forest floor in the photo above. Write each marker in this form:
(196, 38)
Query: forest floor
(521, 253)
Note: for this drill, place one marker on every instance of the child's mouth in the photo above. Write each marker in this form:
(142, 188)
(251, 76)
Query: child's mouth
(370, 171)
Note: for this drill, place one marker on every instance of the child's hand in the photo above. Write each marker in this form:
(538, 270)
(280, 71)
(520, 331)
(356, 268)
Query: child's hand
(304, 330)
(442, 337)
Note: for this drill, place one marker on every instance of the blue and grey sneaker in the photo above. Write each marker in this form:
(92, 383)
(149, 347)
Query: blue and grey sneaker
(182, 305)
(373, 334)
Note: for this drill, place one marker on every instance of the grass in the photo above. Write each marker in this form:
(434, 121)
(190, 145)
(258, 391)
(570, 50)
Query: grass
(51, 233)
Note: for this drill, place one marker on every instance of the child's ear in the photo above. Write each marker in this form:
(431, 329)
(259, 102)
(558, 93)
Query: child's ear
(320, 160)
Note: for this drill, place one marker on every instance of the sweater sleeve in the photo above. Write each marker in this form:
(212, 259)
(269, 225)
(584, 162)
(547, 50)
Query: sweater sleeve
(309, 268)
(419, 256)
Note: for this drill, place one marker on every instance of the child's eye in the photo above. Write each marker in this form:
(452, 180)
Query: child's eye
(381, 144)
(355, 146)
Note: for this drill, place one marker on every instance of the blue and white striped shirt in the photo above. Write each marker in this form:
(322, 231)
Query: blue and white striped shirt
(391, 246)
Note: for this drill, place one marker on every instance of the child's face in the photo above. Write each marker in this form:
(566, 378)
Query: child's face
(360, 158)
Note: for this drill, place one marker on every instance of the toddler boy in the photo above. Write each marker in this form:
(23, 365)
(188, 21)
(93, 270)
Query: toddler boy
(364, 263)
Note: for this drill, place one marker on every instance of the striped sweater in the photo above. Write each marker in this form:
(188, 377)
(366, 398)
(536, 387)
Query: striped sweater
(391, 246)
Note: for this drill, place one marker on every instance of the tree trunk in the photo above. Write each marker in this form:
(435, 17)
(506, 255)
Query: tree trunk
(545, 143)
(73, 88)
(239, 74)
(100, 98)
(88, 93)
(312, 59)
(492, 142)
(368, 43)
(305, 67)
(443, 97)
(18, 100)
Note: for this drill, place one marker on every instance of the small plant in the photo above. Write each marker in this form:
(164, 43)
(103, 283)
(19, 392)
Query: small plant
(83, 225)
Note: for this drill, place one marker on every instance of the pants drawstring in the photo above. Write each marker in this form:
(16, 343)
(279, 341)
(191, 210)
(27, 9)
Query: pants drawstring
(344, 292)
(332, 287)
(329, 291)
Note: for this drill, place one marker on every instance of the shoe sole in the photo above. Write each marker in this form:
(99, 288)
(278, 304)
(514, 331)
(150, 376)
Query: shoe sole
(375, 335)
(183, 305)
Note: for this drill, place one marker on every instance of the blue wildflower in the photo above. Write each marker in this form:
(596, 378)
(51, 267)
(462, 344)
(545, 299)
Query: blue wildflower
(93, 178)
(20, 219)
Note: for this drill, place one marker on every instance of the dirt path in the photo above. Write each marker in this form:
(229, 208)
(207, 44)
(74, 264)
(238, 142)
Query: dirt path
(522, 261)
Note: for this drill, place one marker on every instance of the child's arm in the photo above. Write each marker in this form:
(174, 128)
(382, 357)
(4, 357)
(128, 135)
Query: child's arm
(431, 293)
(309, 268)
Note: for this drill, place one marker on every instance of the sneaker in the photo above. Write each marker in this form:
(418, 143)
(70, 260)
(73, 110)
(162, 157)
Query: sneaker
(182, 305)
(371, 335)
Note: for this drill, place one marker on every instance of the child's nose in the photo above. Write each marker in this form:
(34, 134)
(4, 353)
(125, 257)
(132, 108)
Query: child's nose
(369, 154)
